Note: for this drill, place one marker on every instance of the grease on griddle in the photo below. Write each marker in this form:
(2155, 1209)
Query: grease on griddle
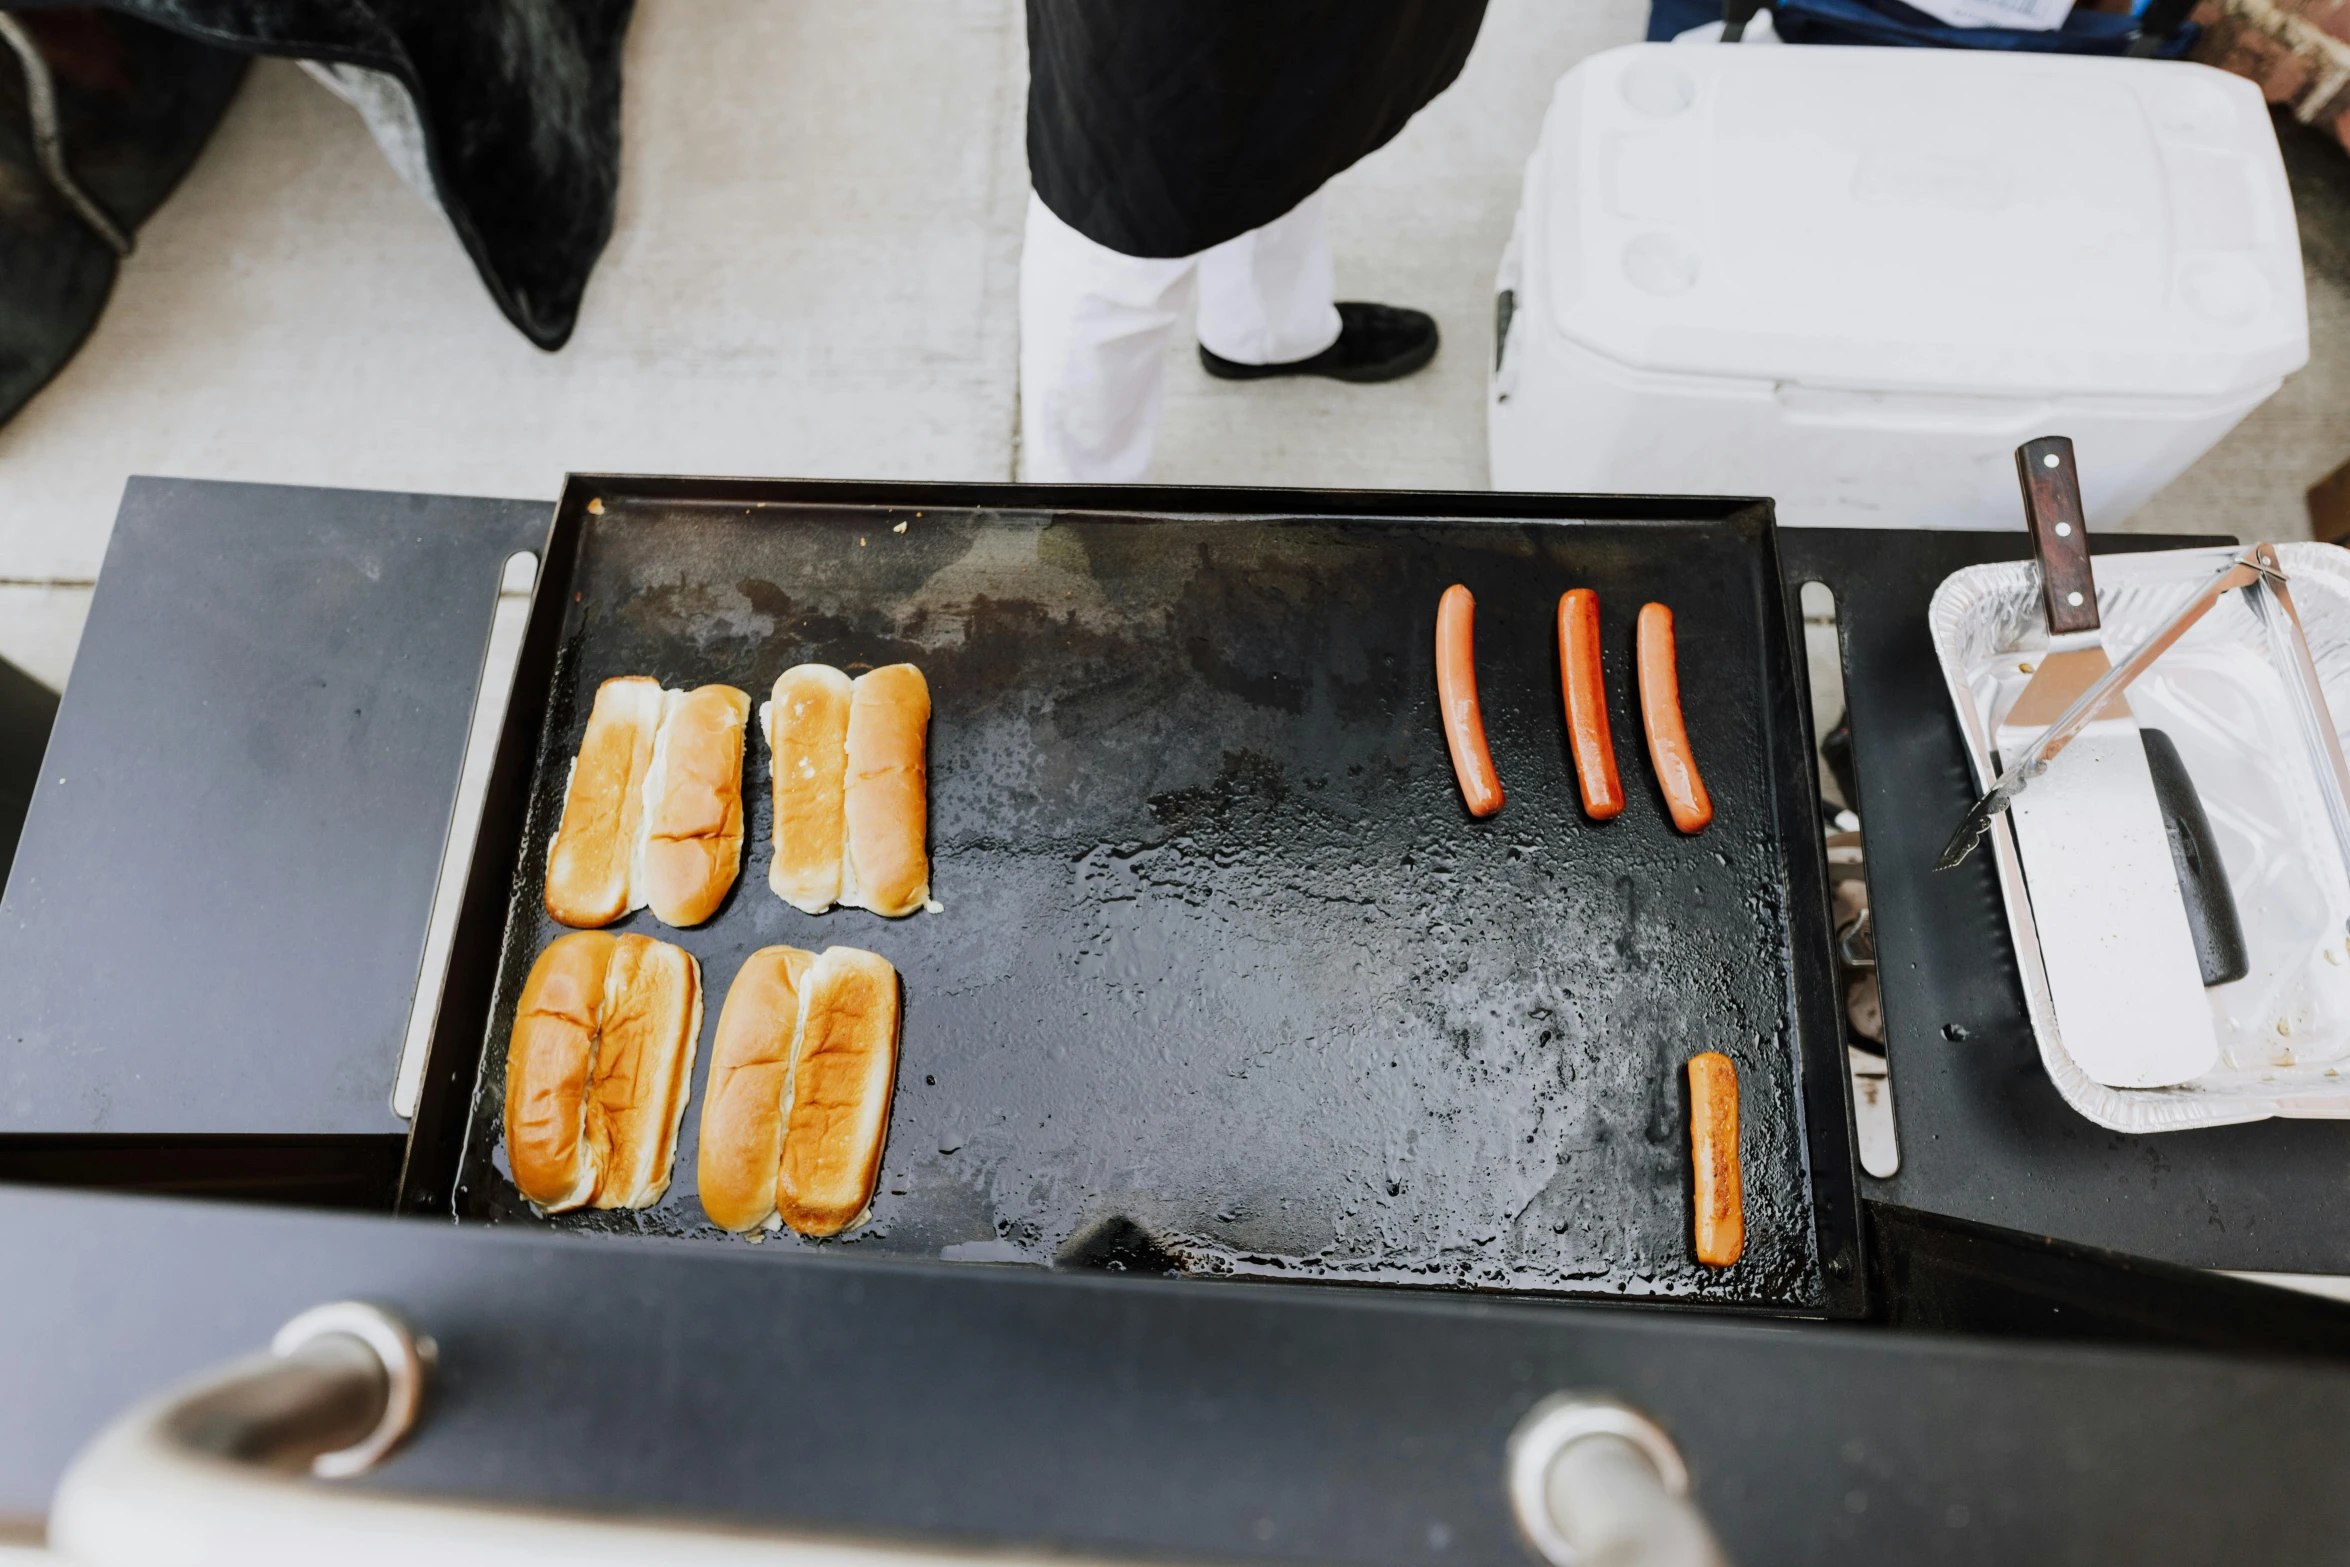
(1286, 1030)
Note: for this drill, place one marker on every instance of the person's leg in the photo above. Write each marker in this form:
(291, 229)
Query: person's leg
(1094, 326)
(1265, 309)
(1268, 297)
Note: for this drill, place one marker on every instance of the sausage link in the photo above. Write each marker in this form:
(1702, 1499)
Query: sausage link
(1713, 1154)
(1585, 689)
(1660, 711)
(1456, 694)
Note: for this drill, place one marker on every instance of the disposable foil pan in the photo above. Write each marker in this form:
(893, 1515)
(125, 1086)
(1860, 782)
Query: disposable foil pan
(2284, 1029)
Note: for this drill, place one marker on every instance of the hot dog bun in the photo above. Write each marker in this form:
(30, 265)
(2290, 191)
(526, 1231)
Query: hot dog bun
(654, 810)
(837, 1106)
(886, 801)
(750, 1068)
(556, 1143)
(597, 1070)
(692, 833)
(807, 725)
(588, 865)
(645, 1066)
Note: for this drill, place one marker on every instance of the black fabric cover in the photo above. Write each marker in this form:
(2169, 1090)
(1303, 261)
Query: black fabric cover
(520, 101)
(1162, 127)
(135, 104)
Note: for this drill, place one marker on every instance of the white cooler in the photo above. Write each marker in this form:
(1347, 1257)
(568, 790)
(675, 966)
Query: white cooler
(1854, 280)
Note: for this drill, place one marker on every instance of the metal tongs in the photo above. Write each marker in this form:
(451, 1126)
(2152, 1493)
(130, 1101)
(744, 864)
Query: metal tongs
(2257, 569)
(2288, 646)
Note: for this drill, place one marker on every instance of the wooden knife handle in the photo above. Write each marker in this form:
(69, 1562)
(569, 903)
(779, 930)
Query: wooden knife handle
(2052, 508)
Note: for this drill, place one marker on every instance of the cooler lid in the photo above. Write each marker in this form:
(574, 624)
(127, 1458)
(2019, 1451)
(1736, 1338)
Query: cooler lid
(1920, 219)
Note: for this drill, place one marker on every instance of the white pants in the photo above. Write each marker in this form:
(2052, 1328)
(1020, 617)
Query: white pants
(1094, 326)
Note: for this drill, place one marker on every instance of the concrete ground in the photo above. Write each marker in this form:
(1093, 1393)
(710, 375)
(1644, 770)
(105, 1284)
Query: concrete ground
(814, 272)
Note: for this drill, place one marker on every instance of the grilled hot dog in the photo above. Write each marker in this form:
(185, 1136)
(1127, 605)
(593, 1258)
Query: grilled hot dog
(1713, 1153)
(1456, 695)
(1586, 697)
(1660, 710)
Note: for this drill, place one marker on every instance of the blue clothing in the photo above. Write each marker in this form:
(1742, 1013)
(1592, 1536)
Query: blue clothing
(1889, 22)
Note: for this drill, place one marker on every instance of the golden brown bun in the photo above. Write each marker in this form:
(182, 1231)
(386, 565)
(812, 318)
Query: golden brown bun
(750, 1065)
(645, 1066)
(887, 800)
(843, 1072)
(588, 865)
(807, 739)
(556, 1141)
(693, 833)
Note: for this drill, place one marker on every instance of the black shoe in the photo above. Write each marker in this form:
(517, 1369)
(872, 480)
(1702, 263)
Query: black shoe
(1375, 343)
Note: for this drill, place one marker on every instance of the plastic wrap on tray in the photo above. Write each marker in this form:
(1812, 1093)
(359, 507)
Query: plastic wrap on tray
(2284, 1029)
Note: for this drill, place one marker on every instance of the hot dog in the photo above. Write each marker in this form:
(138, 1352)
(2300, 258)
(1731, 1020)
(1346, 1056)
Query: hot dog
(1586, 697)
(1713, 1154)
(1660, 711)
(1456, 696)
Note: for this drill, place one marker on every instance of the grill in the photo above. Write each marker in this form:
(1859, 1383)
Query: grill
(1227, 982)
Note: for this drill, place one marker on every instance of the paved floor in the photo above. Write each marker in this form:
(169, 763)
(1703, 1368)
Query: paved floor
(813, 273)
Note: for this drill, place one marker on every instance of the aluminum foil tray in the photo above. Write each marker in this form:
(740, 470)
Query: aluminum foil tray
(2284, 1029)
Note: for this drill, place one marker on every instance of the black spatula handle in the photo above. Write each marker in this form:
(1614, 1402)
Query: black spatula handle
(2203, 878)
(2052, 509)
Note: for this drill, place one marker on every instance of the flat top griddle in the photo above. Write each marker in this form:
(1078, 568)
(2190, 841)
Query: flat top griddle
(1227, 981)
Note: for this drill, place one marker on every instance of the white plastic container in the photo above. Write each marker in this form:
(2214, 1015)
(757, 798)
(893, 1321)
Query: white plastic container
(1854, 280)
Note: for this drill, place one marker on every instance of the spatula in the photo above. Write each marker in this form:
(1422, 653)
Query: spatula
(2121, 958)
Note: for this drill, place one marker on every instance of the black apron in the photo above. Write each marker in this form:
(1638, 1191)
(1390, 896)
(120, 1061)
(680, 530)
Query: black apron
(1162, 127)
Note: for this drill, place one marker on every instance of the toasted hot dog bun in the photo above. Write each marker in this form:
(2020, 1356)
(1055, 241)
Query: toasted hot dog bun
(886, 802)
(1713, 1155)
(556, 1140)
(750, 1067)
(692, 832)
(837, 1103)
(597, 1070)
(588, 864)
(644, 1066)
(807, 725)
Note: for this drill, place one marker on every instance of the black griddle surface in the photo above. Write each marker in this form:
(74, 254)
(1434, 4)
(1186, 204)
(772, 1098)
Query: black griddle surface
(1227, 981)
